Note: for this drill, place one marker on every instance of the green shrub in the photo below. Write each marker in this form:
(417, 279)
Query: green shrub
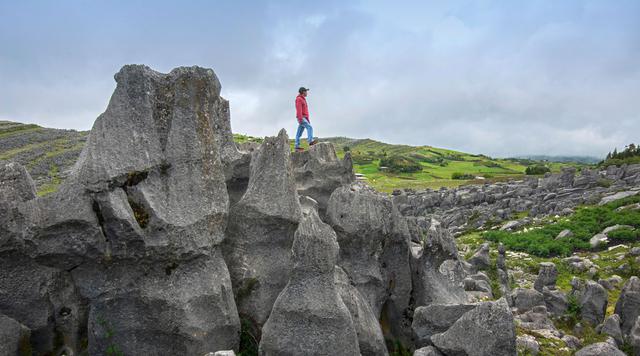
(624, 234)
(346, 148)
(584, 223)
(400, 164)
(462, 176)
(537, 169)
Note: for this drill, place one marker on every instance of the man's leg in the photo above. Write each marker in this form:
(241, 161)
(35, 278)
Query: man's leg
(309, 131)
(299, 133)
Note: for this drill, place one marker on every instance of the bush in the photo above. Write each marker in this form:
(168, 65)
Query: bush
(624, 234)
(400, 164)
(346, 148)
(586, 222)
(462, 176)
(536, 170)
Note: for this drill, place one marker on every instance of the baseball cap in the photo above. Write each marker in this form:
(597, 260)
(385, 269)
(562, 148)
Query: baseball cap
(302, 89)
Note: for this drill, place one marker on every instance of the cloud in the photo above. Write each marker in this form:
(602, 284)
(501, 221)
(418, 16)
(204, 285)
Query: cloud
(485, 77)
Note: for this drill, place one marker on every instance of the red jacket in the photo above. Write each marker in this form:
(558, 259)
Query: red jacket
(302, 110)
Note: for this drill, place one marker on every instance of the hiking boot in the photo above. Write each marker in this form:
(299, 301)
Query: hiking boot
(299, 149)
(313, 142)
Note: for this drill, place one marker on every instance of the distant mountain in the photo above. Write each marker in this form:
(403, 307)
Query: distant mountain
(563, 159)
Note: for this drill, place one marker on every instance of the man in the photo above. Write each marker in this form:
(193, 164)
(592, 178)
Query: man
(302, 114)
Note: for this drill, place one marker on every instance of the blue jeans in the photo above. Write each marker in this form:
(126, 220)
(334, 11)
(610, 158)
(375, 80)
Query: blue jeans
(304, 125)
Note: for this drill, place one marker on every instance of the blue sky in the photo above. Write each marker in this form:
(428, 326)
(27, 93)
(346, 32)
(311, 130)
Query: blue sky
(495, 77)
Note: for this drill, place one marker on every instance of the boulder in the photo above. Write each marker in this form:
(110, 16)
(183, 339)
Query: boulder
(438, 274)
(427, 351)
(434, 319)
(572, 342)
(309, 316)
(555, 301)
(628, 304)
(488, 329)
(14, 337)
(536, 319)
(525, 299)
(318, 172)
(599, 349)
(370, 338)
(362, 220)
(634, 337)
(547, 276)
(528, 343)
(261, 229)
(598, 240)
(480, 259)
(564, 234)
(592, 298)
(611, 327)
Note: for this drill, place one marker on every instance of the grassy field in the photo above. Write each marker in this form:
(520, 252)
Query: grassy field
(438, 165)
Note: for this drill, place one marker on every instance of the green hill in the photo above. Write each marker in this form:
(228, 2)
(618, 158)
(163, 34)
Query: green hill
(439, 166)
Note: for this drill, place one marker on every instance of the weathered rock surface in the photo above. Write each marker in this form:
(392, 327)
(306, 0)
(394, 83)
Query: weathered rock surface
(14, 337)
(634, 337)
(628, 305)
(427, 351)
(434, 319)
(370, 338)
(260, 231)
(438, 273)
(525, 299)
(611, 327)
(599, 349)
(309, 316)
(547, 276)
(488, 329)
(592, 298)
(318, 172)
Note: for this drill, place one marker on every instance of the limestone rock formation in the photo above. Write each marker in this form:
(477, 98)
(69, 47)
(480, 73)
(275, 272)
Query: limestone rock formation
(309, 317)
(318, 172)
(592, 298)
(628, 305)
(547, 276)
(599, 349)
(14, 337)
(488, 329)
(434, 319)
(438, 273)
(370, 338)
(260, 231)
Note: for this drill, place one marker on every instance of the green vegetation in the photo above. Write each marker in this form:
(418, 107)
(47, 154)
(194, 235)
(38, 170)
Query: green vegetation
(630, 155)
(586, 222)
(438, 165)
(248, 341)
(400, 164)
(537, 169)
(459, 175)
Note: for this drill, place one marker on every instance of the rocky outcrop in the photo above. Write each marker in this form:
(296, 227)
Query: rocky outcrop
(14, 337)
(628, 305)
(374, 251)
(547, 276)
(599, 349)
(592, 298)
(309, 317)
(434, 319)
(370, 338)
(438, 273)
(260, 231)
(488, 329)
(318, 172)
(463, 208)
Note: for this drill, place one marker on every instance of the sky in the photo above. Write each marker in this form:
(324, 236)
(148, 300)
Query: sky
(502, 78)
